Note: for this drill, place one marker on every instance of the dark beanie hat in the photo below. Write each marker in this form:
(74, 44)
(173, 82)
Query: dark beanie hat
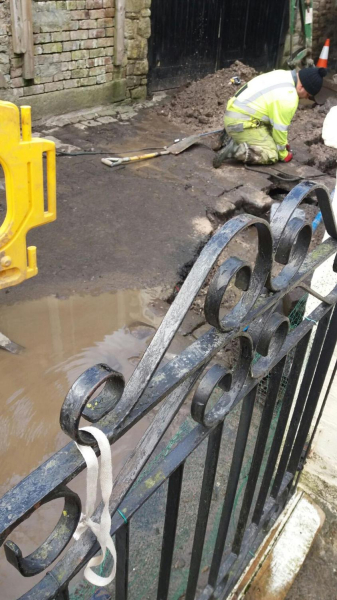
(312, 79)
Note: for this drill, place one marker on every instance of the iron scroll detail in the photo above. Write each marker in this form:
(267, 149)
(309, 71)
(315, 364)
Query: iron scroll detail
(101, 396)
(60, 537)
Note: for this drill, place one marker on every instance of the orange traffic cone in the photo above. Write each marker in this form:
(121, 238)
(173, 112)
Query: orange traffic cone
(323, 59)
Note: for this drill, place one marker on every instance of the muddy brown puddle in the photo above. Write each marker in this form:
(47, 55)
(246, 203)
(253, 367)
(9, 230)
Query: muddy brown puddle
(61, 338)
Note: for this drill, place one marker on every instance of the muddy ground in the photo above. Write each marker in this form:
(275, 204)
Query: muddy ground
(124, 228)
(133, 227)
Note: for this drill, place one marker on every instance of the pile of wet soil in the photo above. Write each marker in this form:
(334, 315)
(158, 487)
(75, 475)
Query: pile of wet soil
(201, 105)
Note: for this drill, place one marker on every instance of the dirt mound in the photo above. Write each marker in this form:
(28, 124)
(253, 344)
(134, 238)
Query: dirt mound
(202, 104)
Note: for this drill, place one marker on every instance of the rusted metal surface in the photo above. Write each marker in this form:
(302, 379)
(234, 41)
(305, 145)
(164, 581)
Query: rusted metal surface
(259, 329)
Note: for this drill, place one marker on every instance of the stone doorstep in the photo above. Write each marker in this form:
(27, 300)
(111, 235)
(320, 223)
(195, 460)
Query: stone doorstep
(272, 571)
(84, 114)
(126, 109)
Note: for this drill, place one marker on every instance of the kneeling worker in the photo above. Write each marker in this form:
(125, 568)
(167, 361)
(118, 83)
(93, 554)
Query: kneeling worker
(258, 117)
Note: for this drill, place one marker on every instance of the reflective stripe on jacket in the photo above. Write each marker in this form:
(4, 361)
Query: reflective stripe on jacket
(270, 98)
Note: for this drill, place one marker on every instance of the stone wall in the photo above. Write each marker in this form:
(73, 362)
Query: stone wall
(74, 55)
(325, 26)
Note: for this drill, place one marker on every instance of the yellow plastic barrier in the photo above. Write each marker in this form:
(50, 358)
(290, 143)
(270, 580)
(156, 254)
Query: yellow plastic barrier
(22, 160)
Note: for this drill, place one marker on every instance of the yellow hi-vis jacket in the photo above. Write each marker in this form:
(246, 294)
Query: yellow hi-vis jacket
(271, 99)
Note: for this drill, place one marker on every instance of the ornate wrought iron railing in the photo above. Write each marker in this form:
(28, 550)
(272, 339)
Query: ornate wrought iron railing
(260, 332)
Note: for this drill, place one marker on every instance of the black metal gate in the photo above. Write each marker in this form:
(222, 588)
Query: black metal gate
(191, 38)
(268, 355)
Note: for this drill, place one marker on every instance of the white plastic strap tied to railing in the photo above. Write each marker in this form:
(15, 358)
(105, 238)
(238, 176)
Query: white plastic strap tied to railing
(102, 529)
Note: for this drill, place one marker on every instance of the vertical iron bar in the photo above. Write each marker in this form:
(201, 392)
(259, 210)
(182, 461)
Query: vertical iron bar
(281, 425)
(314, 394)
(260, 445)
(170, 527)
(122, 573)
(327, 394)
(211, 463)
(233, 480)
(300, 402)
(63, 595)
(308, 448)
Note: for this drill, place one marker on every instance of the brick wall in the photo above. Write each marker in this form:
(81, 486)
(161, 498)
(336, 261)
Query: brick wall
(74, 50)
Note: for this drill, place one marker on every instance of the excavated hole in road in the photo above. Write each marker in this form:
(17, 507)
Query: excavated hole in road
(315, 140)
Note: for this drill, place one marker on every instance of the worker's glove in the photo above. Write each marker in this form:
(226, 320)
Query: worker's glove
(289, 157)
(288, 148)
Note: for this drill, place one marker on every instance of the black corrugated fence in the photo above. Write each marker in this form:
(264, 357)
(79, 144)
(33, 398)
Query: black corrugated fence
(191, 38)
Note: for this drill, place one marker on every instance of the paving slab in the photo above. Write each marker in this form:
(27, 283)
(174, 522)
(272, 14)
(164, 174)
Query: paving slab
(234, 174)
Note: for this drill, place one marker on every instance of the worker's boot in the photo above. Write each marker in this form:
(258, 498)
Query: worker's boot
(223, 154)
(223, 138)
(231, 150)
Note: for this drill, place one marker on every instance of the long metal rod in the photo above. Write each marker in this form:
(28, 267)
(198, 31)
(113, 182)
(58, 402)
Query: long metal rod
(170, 528)
(122, 573)
(300, 403)
(327, 394)
(233, 565)
(314, 394)
(233, 480)
(260, 445)
(211, 463)
(63, 595)
(287, 402)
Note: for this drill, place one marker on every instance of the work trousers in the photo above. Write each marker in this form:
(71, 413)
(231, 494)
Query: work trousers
(261, 146)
